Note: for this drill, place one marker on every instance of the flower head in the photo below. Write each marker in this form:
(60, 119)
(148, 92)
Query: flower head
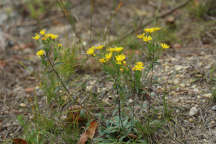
(59, 45)
(108, 56)
(164, 45)
(115, 49)
(36, 37)
(102, 60)
(120, 59)
(151, 30)
(138, 66)
(99, 47)
(91, 51)
(42, 32)
(41, 53)
(147, 38)
(140, 36)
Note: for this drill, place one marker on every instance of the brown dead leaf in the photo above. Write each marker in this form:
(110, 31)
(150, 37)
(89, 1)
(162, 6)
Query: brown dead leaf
(29, 90)
(2, 64)
(19, 141)
(83, 139)
(133, 136)
(89, 133)
(91, 129)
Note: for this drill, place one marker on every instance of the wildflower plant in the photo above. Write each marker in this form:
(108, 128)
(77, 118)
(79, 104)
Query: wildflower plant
(128, 76)
(50, 54)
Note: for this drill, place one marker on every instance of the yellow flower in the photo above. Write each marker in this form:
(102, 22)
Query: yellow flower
(59, 45)
(164, 46)
(53, 36)
(147, 38)
(99, 47)
(41, 53)
(108, 56)
(140, 36)
(121, 69)
(36, 37)
(120, 58)
(91, 51)
(151, 30)
(115, 49)
(50, 35)
(156, 28)
(42, 32)
(138, 66)
(102, 60)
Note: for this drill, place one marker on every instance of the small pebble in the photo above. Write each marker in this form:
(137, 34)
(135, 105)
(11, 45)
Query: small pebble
(23, 105)
(214, 108)
(193, 111)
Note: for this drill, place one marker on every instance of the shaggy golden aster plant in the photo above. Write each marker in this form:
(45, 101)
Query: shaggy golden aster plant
(129, 78)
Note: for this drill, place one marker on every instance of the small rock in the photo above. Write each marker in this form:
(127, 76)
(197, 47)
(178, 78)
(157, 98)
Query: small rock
(193, 111)
(213, 108)
(208, 95)
(190, 120)
(23, 105)
(177, 45)
(130, 101)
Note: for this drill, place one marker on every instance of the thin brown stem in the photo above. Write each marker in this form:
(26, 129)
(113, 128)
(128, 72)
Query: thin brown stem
(58, 76)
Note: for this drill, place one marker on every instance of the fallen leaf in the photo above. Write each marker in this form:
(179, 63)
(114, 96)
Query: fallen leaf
(89, 133)
(29, 90)
(83, 139)
(2, 64)
(91, 129)
(19, 141)
(132, 136)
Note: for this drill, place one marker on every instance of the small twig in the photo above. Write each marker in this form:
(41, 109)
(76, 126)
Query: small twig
(149, 22)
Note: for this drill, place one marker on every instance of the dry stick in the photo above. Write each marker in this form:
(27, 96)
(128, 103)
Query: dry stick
(149, 22)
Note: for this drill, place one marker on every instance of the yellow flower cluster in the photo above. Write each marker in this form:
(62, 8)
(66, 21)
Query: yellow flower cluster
(41, 53)
(138, 66)
(49, 35)
(120, 59)
(147, 38)
(151, 30)
(36, 37)
(44, 36)
(91, 50)
(164, 45)
(115, 49)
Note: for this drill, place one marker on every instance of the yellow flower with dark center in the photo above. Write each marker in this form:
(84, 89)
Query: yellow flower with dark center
(138, 66)
(164, 46)
(41, 53)
(42, 32)
(36, 37)
(147, 38)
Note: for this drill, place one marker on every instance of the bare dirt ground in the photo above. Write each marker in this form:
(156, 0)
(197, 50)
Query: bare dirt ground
(186, 69)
